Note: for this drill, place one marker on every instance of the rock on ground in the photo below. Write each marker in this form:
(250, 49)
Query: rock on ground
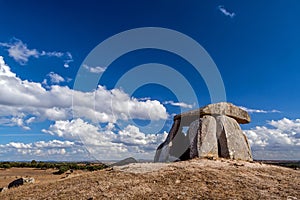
(193, 132)
(3, 189)
(20, 181)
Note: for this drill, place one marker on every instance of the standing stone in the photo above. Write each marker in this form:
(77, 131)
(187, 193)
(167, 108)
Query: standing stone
(193, 137)
(175, 147)
(202, 137)
(162, 153)
(207, 144)
(179, 146)
(233, 144)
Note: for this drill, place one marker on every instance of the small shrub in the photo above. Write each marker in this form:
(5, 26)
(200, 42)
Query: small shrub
(33, 163)
(6, 166)
(62, 169)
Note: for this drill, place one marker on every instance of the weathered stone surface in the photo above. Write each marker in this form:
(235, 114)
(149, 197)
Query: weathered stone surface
(16, 183)
(202, 137)
(233, 143)
(175, 147)
(222, 108)
(162, 153)
(207, 144)
(20, 181)
(179, 146)
(163, 150)
(193, 137)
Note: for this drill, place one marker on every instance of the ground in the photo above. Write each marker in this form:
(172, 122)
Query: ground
(195, 179)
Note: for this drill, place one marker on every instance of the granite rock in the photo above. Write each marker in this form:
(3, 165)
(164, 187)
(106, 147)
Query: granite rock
(233, 143)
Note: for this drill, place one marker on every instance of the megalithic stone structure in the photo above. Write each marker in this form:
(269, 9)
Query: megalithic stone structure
(214, 131)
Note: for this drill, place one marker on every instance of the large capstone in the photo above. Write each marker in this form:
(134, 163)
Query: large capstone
(222, 108)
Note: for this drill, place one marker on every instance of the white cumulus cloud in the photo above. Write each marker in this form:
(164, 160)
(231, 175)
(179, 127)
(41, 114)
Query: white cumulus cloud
(107, 142)
(23, 99)
(68, 58)
(20, 52)
(42, 150)
(24, 102)
(5, 69)
(279, 138)
(95, 70)
(55, 78)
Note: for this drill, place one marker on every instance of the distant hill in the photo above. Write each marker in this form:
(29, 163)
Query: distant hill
(194, 179)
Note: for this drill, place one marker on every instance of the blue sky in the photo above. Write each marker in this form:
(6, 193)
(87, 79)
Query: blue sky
(43, 46)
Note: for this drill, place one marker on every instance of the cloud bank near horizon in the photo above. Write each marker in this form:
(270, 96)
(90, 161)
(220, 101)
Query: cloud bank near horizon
(279, 138)
(23, 103)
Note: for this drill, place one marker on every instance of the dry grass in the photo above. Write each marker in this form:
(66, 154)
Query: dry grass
(196, 179)
(40, 176)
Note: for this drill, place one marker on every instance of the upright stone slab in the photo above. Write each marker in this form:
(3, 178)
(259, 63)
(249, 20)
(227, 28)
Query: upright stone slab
(207, 144)
(175, 147)
(162, 153)
(179, 146)
(233, 143)
(193, 132)
(203, 139)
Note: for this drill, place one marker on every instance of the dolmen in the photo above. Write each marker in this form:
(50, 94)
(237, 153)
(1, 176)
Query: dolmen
(213, 132)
